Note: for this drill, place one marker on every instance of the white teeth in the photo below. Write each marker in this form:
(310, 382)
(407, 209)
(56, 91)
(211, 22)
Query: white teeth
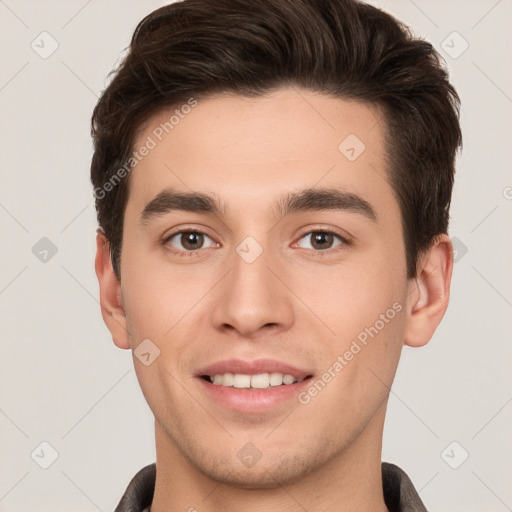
(276, 379)
(259, 381)
(241, 381)
(288, 379)
(227, 379)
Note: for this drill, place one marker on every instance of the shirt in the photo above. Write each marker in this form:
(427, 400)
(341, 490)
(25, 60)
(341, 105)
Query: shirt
(399, 492)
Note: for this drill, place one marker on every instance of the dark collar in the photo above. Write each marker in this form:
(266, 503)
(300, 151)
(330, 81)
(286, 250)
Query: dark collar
(399, 492)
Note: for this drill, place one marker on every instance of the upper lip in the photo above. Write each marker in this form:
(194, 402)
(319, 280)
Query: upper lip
(252, 368)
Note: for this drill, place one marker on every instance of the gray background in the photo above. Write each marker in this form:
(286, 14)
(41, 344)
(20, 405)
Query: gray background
(63, 382)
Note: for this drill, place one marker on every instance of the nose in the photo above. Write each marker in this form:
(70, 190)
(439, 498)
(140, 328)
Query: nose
(251, 299)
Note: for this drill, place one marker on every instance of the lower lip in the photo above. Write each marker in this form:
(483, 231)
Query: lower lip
(253, 400)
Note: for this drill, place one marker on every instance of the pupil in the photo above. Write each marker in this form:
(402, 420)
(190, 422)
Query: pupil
(191, 240)
(322, 238)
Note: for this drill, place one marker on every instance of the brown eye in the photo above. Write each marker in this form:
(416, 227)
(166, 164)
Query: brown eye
(187, 241)
(192, 241)
(322, 240)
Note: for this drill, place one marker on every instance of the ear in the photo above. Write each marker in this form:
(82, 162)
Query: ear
(110, 293)
(429, 292)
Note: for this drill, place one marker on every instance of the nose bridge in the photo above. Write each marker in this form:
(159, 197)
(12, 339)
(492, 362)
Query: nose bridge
(251, 296)
(250, 275)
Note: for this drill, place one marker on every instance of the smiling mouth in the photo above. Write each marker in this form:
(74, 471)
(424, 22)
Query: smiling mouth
(257, 381)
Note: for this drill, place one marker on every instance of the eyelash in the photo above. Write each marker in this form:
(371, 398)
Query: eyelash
(319, 254)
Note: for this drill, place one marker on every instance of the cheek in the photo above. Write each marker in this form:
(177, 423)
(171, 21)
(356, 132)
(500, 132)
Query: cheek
(358, 366)
(149, 300)
(364, 306)
(353, 297)
(162, 299)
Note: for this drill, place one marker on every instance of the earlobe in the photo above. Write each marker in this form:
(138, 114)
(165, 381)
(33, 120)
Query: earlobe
(111, 302)
(429, 293)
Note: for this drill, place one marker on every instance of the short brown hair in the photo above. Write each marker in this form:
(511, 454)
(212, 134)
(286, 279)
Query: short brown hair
(345, 48)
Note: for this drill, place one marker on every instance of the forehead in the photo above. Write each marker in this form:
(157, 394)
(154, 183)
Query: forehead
(264, 126)
(244, 149)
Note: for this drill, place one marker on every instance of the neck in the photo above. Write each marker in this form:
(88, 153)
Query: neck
(350, 480)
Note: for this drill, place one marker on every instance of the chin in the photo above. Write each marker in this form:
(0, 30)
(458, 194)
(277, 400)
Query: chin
(271, 471)
(270, 475)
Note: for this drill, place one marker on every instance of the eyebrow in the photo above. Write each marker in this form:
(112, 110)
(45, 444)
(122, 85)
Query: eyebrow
(311, 199)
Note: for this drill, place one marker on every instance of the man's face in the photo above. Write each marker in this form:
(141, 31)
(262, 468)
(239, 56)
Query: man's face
(297, 292)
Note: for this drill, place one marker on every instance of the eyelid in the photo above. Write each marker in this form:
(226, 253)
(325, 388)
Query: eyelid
(187, 229)
(347, 240)
(345, 236)
(181, 252)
